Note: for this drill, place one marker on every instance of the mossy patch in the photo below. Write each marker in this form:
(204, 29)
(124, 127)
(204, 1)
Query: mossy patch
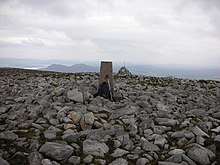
(2, 122)
(28, 135)
(217, 144)
(108, 158)
(18, 159)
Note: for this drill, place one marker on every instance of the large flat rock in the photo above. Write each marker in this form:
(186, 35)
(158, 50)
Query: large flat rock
(56, 151)
(95, 148)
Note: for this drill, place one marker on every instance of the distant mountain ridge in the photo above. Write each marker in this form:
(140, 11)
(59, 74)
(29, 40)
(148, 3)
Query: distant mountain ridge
(149, 70)
(72, 68)
(212, 73)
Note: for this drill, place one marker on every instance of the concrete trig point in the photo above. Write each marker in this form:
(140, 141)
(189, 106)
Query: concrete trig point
(106, 79)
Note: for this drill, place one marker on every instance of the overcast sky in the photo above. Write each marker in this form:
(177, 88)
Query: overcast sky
(135, 31)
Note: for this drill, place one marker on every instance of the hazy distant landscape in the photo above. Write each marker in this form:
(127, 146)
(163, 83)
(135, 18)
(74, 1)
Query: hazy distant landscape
(212, 73)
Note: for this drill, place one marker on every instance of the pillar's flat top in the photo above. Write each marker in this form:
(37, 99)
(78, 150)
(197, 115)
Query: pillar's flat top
(106, 61)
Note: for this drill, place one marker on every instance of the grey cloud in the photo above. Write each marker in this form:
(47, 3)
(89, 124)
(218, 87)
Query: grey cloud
(55, 8)
(210, 5)
(33, 42)
(152, 31)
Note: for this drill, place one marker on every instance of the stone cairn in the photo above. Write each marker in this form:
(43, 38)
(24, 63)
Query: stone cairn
(124, 72)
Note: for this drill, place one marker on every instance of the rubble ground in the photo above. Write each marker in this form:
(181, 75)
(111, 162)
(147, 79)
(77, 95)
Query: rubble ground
(52, 118)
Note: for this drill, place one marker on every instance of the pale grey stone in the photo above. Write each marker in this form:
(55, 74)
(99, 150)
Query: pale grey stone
(46, 162)
(148, 146)
(162, 107)
(200, 140)
(182, 141)
(198, 155)
(217, 129)
(75, 95)
(148, 132)
(166, 146)
(125, 111)
(4, 162)
(217, 138)
(176, 151)
(89, 118)
(71, 137)
(55, 129)
(197, 112)
(3, 110)
(38, 126)
(41, 121)
(35, 158)
(74, 160)
(176, 158)
(124, 138)
(34, 145)
(166, 121)
(119, 153)
(188, 160)
(209, 153)
(58, 91)
(146, 123)
(160, 141)
(66, 120)
(149, 157)
(167, 163)
(163, 114)
(184, 163)
(119, 161)
(54, 121)
(88, 159)
(97, 134)
(181, 134)
(197, 131)
(56, 151)
(95, 148)
(216, 115)
(8, 135)
(130, 120)
(55, 163)
(142, 161)
(117, 143)
(50, 134)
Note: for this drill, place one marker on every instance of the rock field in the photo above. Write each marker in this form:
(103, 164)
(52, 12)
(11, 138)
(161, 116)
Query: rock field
(52, 118)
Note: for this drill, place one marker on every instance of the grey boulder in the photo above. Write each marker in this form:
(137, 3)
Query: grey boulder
(119, 152)
(35, 158)
(166, 121)
(148, 146)
(95, 148)
(3, 161)
(198, 155)
(119, 161)
(75, 95)
(56, 151)
(8, 135)
(142, 161)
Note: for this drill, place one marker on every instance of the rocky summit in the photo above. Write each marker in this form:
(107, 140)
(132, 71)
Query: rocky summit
(49, 118)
